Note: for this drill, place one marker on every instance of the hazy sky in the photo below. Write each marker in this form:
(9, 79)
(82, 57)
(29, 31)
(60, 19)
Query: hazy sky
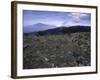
(31, 17)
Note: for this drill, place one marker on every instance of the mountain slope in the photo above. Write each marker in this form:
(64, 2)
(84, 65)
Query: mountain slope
(37, 27)
(63, 30)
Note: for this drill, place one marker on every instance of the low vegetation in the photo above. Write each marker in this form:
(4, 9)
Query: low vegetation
(57, 50)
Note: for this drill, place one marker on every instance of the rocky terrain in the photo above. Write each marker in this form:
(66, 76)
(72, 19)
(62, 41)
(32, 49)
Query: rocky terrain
(68, 49)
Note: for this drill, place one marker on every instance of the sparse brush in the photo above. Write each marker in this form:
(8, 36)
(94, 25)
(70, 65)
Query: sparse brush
(64, 50)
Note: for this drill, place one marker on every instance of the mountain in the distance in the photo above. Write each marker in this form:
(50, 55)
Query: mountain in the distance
(63, 30)
(37, 27)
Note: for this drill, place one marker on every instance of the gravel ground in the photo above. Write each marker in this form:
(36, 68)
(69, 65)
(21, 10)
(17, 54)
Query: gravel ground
(67, 50)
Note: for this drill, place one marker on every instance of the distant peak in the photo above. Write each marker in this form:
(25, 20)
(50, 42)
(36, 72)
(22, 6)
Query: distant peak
(39, 24)
(44, 24)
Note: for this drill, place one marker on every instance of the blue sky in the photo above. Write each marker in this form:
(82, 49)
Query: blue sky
(31, 17)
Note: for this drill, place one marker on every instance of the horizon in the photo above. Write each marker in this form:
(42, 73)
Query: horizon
(58, 28)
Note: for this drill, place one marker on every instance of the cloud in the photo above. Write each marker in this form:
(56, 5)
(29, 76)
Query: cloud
(77, 17)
